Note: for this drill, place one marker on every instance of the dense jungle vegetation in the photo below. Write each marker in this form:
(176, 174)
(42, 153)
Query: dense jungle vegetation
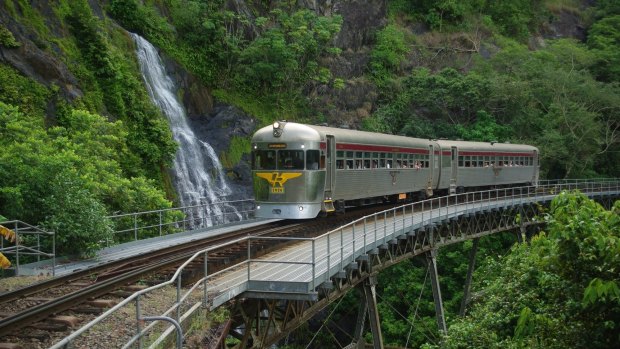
(476, 70)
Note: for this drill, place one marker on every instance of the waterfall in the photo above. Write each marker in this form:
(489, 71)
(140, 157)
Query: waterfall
(195, 160)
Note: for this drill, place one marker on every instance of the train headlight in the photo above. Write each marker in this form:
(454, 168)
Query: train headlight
(301, 208)
(258, 207)
(278, 128)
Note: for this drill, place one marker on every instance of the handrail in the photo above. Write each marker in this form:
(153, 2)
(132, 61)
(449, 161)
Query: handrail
(431, 211)
(21, 230)
(147, 224)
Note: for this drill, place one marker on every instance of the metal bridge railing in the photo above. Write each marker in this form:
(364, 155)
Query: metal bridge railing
(329, 253)
(142, 225)
(30, 244)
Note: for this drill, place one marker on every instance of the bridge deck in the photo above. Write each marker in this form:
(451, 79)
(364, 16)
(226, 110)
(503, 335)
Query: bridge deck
(298, 269)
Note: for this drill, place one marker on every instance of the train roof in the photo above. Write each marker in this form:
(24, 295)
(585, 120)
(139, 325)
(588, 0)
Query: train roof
(486, 146)
(295, 132)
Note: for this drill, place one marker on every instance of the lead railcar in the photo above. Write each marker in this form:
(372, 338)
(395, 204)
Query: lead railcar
(302, 170)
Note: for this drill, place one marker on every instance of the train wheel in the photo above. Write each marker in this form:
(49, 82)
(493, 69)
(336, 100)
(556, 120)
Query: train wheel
(422, 195)
(339, 206)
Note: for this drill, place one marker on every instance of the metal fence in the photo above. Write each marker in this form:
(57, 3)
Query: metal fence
(30, 244)
(328, 254)
(142, 225)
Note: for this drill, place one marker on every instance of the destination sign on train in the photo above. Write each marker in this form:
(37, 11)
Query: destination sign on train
(277, 145)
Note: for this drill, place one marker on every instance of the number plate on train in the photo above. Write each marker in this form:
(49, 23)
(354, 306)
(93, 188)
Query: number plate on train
(277, 190)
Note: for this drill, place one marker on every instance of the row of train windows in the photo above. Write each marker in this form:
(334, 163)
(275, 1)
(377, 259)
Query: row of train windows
(354, 160)
(487, 161)
(287, 160)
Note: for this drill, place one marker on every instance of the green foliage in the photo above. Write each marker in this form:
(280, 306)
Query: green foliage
(151, 142)
(547, 98)
(69, 177)
(604, 40)
(388, 53)
(405, 294)
(447, 98)
(516, 18)
(15, 89)
(284, 57)
(238, 146)
(7, 39)
(560, 291)
(485, 129)
(76, 216)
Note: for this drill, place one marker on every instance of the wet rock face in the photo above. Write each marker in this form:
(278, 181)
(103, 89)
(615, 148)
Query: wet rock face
(217, 128)
(197, 98)
(361, 19)
(36, 58)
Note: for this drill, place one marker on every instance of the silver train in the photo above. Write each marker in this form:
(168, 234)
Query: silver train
(302, 170)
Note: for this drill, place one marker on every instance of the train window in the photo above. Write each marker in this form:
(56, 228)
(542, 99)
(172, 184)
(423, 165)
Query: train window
(313, 158)
(340, 154)
(367, 155)
(381, 163)
(340, 164)
(349, 154)
(375, 155)
(358, 154)
(290, 159)
(264, 160)
(388, 163)
(349, 164)
(382, 155)
(366, 163)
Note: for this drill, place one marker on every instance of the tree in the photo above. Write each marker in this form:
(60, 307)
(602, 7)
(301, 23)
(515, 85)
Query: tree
(560, 291)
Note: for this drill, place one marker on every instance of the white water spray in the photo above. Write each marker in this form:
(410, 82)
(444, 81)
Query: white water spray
(194, 158)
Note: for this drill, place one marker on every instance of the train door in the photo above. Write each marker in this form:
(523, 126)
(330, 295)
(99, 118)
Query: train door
(535, 168)
(431, 170)
(329, 168)
(454, 161)
(330, 173)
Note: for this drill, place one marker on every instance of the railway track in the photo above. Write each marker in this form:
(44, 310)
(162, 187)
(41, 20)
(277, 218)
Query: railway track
(44, 311)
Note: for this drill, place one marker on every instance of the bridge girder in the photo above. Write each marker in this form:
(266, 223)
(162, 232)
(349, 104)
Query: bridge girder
(269, 320)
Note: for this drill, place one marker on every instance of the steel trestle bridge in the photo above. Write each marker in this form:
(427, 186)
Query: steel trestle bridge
(270, 295)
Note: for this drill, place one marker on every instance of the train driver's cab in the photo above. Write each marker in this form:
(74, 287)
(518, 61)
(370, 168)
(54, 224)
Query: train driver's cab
(288, 181)
(286, 160)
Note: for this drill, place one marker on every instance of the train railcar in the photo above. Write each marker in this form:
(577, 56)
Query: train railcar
(302, 170)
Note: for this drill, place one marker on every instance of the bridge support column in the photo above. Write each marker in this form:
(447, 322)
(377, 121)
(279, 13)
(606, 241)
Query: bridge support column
(373, 311)
(358, 341)
(470, 272)
(432, 263)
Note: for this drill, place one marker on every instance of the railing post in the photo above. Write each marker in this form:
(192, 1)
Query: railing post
(384, 227)
(206, 295)
(374, 243)
(329, 256)
(160, 222)
(313, 264)
(54, 254)
(353, 252)
(365, 243)
(17, 240)
(179, 298)
(135, 227)
(341, 250)
(138, 319)
(249, 259)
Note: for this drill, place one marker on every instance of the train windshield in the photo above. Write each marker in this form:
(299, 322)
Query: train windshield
(278, 160)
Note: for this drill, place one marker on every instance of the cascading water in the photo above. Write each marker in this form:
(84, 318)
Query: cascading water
(194, 157)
